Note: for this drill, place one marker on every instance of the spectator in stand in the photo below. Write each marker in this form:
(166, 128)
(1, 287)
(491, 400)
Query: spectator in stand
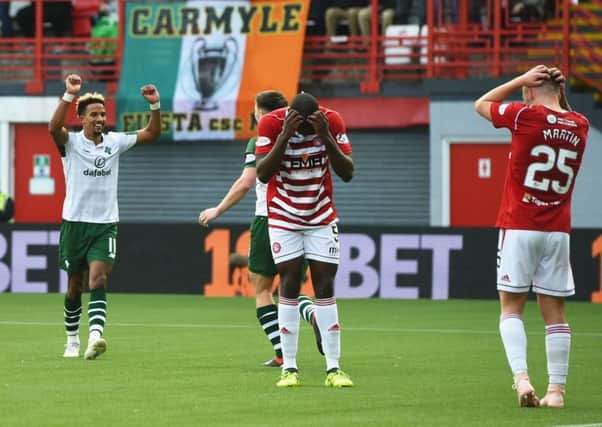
(108, 9)
(477, 13)
(104, 25)
(387, 11)
(315, 18)
(6, 20)
(58, 14)
(528, 10)
(410, 12)
(341, 10)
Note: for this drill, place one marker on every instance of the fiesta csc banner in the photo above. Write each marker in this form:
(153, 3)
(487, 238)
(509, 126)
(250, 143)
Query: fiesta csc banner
(208, 59)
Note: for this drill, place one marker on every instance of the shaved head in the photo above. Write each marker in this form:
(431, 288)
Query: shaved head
(305, 104)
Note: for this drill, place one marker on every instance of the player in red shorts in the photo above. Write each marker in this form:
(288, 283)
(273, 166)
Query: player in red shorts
(295, 148)
(548, 142)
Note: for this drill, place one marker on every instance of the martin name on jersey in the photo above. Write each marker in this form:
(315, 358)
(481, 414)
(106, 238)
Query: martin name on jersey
(545, 156)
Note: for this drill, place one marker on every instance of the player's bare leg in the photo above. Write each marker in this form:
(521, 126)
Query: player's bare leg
(267, 314)
(558, 344)
(514, 338)
(97, 308)
(72, 310)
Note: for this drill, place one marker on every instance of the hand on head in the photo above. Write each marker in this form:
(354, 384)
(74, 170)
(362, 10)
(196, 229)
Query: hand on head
(536, 76)
(557, 75)
(73, 83)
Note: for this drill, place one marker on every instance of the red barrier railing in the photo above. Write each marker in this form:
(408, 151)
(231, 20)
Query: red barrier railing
(499, 44)
(45, 57)
(452, 45)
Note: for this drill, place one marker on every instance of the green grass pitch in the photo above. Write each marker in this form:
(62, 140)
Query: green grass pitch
(195, 361)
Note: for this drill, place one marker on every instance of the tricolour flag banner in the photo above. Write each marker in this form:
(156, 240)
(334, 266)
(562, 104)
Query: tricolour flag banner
(208, 59)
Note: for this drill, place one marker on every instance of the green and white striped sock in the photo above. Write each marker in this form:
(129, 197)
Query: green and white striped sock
(97, 313)
(268, 319)
(72, 312)
(306, 307)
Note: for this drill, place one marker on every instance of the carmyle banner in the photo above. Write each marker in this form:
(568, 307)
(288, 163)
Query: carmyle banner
(208, 59)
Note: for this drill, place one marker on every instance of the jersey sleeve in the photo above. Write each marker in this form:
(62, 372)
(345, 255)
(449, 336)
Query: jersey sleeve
(337, 127)
(127, 140)
(267, 132)
(250, 154)
(505, 115)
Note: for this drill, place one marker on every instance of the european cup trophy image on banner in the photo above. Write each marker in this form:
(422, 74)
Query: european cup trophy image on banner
(212, 65)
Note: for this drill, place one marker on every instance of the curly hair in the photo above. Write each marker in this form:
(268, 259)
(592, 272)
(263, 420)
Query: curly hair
(87, 99)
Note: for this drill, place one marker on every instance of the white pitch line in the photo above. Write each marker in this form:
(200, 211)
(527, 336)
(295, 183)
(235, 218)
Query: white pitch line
(134, 325)
(223, 326)
(579, 425)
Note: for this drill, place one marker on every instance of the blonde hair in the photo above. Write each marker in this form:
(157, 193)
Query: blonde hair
(87, 99)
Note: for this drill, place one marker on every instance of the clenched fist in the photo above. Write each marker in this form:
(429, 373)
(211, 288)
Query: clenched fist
(150, 93)
(73, 83)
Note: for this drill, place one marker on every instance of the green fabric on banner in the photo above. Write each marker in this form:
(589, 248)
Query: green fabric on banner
(146, 60)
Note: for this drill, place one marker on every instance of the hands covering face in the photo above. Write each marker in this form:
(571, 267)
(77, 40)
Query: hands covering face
(314, 123)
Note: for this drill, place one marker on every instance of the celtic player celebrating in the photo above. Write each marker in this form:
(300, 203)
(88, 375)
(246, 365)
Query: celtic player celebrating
(88, 240)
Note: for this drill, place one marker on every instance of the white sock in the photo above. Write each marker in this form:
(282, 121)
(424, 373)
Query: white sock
(289, 319)
(327, 318)
(72, 339)
(558, 346)
(514, 339)
(94, 335)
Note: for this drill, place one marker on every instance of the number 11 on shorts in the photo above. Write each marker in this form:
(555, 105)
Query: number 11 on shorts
(112, 247)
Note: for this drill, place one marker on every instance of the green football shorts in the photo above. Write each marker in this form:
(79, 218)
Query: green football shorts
(82, 242)
(260, 254)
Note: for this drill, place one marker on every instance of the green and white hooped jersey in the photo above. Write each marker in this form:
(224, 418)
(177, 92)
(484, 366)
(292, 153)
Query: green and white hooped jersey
(261, 189)
(91, 176)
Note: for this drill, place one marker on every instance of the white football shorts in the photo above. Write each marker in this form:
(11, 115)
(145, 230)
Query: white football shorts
(319, 244)
(538, 260)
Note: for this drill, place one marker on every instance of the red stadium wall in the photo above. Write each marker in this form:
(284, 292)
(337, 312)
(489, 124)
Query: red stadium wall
(39, 188)
(476, 182)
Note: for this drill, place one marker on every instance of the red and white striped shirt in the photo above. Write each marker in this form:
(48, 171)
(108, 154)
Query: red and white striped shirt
(300, 193)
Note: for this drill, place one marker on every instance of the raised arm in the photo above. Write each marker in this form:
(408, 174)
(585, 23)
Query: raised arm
(534, 77)
(342, 163)
(268, 164)
(56, 127)
(237, 192)
(152, 131)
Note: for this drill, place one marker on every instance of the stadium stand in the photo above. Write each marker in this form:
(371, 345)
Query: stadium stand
(497, 45)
